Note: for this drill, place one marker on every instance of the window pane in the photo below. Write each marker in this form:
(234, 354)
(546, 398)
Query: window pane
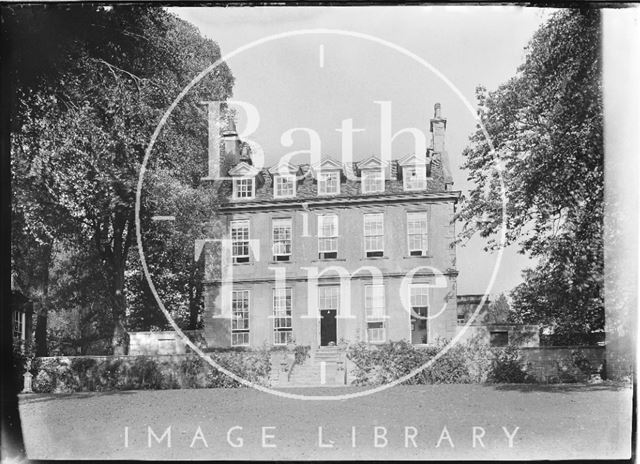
(281, 236)
(284, 186)
(328, 297)
(372, 181)
(240, 317)
(374, 301)
(243, 187)
(328, 182)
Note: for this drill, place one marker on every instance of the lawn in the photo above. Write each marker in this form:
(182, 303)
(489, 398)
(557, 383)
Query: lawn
(554, 422)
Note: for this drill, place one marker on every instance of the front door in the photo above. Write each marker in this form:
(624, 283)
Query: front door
(328, 326)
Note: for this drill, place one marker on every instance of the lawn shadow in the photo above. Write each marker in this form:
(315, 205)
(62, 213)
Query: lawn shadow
(31, 398)
(559, 387)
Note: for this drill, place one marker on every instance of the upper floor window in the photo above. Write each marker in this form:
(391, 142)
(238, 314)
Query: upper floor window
(415, 177)
(329, 183)
(282, 238)
(240, 318)
(372, 181)
(417, 233)
(328, 236)
(374, 234)
(244, 187)
(284, 186)
(240, 241)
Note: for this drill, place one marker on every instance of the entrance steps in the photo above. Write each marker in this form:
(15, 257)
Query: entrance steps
(326, 367)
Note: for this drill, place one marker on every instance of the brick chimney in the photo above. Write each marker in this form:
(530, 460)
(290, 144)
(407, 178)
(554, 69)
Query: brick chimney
(438, 127)
(231, 147)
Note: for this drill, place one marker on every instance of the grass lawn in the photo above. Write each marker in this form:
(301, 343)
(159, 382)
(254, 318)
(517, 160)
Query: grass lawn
(554, 422)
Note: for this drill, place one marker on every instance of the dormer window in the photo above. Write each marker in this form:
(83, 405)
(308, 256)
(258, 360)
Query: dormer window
(244, 181)
(284, 186)
(244, 188)
(414, 171)
(372, 181)
(329, 183)
(372, 175)
(414, 177)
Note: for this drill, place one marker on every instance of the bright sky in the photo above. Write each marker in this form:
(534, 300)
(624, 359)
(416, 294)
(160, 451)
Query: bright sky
(318, 80)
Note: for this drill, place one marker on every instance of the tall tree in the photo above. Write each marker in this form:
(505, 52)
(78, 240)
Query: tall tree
(95, 125)
(546, 126)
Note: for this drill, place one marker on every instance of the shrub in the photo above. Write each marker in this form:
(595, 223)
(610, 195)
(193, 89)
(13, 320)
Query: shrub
(44, 382)
(380, 364)
(54, 375)
(506, 367)
(143, 374)
(301, 353)
(83, 369)
(108, 374)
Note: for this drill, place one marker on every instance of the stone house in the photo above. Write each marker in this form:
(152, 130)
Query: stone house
(331, 252)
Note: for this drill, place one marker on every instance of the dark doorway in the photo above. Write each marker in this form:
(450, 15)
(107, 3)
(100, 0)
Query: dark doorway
(328, 327)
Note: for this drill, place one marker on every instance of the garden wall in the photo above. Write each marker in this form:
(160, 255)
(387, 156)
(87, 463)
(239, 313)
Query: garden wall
(155, 343)
(561, 363)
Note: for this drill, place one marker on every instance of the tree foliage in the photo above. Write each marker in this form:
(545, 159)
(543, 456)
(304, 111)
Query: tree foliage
(83, 124)
(545, 124)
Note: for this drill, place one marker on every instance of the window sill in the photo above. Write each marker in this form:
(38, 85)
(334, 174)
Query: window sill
(244, 264)
(280, 262)
(328, 259)
(417, 257)
(365, 258)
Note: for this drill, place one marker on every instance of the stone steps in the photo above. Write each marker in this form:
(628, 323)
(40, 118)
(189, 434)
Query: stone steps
(324, 367)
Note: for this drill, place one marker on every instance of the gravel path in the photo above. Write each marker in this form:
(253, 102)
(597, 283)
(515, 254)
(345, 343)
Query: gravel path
(555, 422)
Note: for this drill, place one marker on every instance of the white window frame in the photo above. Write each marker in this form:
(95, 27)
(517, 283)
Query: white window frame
(282, 314)
(409, 181)
(240, 336)
(323, 182)
(19, 324)
(288, 178)
(323, 298)
(367, 175)
(238, 182)
(328, 243)
(240, 242)
(281, 223)
(424, 292)
(424, 234)
(375, 314)
(376, 233)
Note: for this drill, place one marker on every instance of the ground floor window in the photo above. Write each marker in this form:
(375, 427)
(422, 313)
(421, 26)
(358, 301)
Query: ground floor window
(282, 329)
(18, 324)
(419, 314)
(375, 312)
(240, 318)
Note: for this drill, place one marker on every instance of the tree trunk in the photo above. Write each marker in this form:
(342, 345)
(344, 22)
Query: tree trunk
(41, 346)
(195, 295)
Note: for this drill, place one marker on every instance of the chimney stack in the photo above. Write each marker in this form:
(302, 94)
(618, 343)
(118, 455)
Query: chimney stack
(231, 145)
(438, 125)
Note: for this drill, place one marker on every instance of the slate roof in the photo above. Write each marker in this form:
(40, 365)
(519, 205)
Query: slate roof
(307, 187)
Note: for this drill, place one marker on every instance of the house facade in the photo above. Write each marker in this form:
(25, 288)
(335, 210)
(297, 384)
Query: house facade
(331, 252)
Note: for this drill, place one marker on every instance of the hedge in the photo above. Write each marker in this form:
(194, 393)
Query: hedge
(64, 375)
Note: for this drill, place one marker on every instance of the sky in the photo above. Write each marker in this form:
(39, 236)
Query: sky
(316, 80)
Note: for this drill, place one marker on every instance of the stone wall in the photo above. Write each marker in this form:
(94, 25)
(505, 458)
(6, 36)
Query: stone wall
(520, 335)
(155, 343)
(558, 363)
